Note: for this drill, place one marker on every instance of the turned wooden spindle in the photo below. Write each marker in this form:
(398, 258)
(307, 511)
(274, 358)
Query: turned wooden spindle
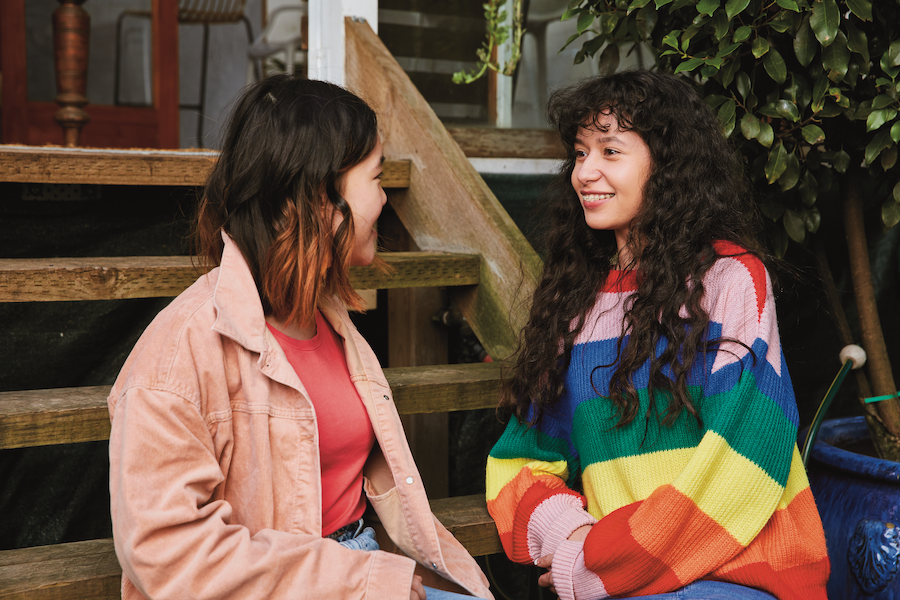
(71, 33)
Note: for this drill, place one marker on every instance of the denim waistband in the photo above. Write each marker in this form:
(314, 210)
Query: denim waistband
(347, 532)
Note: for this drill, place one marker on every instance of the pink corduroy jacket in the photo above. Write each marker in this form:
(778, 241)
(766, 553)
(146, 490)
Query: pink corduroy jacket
(214, 463)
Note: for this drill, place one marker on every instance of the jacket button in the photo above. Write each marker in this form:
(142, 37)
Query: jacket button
(386, 398)
(409, 480)
(434, 566)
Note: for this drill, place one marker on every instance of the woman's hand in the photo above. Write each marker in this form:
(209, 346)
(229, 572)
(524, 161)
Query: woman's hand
(546, 562)
(417, 592)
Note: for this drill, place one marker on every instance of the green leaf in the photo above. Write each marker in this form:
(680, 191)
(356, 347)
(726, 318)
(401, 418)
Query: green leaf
(707, 7)
(890, 212)
(788, 110)
(742, 33)
(897, 192)
(749, 126)
(671, 39)
(715, 100)
(591, 46)
(813, 134)
(636, 5)
(808, 189)
(805, 44)
(766, 135)
(776, 164)
(861, 8)
(857, 41)
(725, 51)
(609, 60)
(608, 23)
(889, 158)
(882, 100)
(881, 141)
(794, 226)
(771, 209)
(733, 7)
(688, 65)
(742, 82)
(812, 219)
(775, 67)
(760, 47)
(571, 39)
(895, 132)
(791, 174)
(726, 117)
(891, 58)
(646, 19)
(825, 18)
(877, 118)
(661, 3)
(841, 161)
(720, 24)
(726, 74)
(572, 10)
(836, 58)
(789, 5)
(584, 21)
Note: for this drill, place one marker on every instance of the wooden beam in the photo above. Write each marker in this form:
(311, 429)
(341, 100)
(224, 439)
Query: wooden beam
(74, 571)
(43, 164)
(117, 278)
(485, 142)
(90, 570)
(447, 206)
(71, 415)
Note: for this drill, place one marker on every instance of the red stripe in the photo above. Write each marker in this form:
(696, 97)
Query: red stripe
(752, 264)
(803, 582)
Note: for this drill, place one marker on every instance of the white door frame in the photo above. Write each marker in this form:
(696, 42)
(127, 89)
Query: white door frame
(327, 37)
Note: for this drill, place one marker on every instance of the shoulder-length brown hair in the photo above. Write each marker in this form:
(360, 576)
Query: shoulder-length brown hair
(274, 191)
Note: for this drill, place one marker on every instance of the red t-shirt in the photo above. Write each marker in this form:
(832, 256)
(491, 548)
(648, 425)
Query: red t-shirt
(345, 432)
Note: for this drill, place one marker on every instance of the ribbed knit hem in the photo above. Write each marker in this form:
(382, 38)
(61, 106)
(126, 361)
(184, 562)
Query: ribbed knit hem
(572, 580)
(553, 521)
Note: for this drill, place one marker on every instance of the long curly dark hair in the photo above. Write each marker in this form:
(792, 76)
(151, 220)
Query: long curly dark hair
(695, 195)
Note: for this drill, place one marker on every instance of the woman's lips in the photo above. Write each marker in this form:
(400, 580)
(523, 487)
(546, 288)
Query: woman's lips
(595, 200)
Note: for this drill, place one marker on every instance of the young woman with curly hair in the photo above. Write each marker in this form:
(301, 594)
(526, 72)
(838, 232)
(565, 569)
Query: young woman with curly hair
(653, 450)
(253, 431)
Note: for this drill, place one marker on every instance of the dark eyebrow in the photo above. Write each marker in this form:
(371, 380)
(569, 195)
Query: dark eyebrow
(603, 140)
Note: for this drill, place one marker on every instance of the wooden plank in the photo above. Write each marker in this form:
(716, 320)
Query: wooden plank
(447, 205)
(90, 570)
(165, 71)
(74, 571)
(70, 415)
(116, 278)
(467, 518)
(485, 142)
(47, 164)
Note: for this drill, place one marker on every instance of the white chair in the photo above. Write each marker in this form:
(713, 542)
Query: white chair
(293, 47)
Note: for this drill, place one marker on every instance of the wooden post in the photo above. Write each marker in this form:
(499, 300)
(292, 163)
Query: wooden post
(71, 32)
(414, 340)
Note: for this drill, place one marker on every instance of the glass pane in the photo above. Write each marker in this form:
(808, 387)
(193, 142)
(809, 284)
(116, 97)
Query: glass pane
(132, 20)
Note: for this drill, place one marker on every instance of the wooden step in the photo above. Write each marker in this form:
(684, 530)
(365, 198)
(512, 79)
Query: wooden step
(47, 164)
(69, 415)
(117, 278)
(90, 570)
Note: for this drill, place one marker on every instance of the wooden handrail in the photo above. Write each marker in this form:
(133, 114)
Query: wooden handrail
(117, 278)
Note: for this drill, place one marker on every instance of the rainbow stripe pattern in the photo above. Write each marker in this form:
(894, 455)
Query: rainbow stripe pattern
(729, 501)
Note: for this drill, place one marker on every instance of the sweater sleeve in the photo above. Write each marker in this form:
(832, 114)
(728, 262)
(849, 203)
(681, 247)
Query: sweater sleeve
(527, 492)
(734, 480)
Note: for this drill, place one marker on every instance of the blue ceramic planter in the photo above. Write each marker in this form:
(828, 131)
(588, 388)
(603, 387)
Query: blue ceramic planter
(859, 499)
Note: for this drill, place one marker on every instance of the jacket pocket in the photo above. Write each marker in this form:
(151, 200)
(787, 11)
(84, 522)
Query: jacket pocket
(390, 512)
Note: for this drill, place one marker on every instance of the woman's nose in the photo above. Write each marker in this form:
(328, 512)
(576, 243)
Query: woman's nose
(589, 171)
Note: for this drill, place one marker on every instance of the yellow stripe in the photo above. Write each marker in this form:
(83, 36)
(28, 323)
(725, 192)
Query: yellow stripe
(797, 480)
(501, 471)
(612, 484)
(713, 476)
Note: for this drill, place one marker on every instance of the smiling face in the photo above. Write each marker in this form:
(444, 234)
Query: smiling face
(611, 168)
(360, 186)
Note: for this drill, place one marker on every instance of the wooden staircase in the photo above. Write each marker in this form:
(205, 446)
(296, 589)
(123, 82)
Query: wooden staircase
(467, 245)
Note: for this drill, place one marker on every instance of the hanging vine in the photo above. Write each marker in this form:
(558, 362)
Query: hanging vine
(497, 35)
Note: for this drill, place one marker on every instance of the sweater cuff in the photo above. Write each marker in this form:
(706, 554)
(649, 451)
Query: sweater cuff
(572, 580)
(553, 521)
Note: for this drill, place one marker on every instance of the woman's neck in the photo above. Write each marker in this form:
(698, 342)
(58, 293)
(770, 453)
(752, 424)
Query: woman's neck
(294, 330)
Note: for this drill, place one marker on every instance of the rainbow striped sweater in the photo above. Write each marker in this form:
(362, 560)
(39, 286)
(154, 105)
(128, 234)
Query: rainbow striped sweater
(727, 501)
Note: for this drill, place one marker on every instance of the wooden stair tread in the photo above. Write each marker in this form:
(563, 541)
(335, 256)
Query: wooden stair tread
(47, 164)
(70, 415)
(82, 570)
(116, 278)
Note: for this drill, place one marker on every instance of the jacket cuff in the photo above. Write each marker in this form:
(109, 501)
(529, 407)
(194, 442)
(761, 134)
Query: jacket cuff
(390, 576)
(553, 521)
(572, 580)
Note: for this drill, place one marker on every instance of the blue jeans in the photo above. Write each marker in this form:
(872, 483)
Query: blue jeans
(363, 538)
(710, 590)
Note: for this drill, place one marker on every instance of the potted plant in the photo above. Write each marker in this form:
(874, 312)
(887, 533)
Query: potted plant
(810, 92)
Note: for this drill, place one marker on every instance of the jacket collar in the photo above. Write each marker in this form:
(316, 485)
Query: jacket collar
(239, 311)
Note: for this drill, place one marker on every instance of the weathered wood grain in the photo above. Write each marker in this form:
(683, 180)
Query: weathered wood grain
(116, 278)
(79, 414)
(447, 206)
(487, 142)
(90, 570)
(74, 571)
(44, 164)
